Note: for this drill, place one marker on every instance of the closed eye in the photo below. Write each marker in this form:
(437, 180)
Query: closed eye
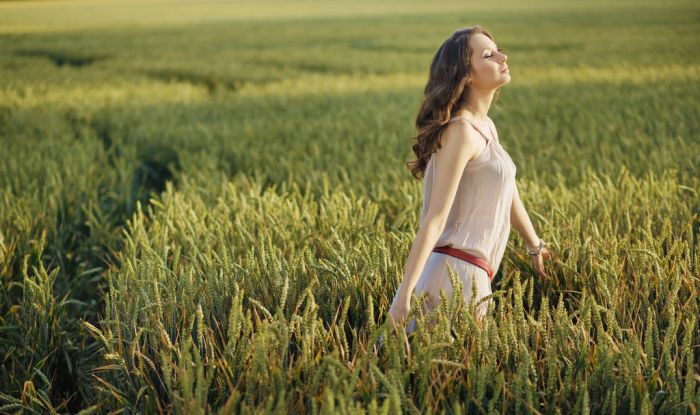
(500, 50)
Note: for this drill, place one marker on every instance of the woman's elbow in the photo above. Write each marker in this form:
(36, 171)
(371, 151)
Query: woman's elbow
(433, 224)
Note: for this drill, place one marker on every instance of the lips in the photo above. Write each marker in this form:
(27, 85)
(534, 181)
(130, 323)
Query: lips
(504, 70)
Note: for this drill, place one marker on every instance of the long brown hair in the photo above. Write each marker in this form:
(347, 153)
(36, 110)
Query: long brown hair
(445, 94)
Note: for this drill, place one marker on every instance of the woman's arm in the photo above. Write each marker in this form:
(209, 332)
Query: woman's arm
(521, 222)
(458, 145)
(423, 244)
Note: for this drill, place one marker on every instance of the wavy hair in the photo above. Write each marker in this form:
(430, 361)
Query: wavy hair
(446, 93)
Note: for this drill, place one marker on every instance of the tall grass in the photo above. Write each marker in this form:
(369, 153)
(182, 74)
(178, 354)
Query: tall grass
(214, 216)
(250, 303)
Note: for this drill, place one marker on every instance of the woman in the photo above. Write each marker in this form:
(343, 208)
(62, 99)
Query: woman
(469, 194)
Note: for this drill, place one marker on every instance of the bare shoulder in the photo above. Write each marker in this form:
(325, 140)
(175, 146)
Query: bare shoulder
(457, 147)
(460, 136)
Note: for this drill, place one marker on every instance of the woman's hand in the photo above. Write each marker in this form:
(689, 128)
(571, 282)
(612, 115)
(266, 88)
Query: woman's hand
(538, 261)
(399, 310)
(397, 313)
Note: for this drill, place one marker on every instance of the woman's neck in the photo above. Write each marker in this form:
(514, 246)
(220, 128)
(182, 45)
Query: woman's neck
(479, 103)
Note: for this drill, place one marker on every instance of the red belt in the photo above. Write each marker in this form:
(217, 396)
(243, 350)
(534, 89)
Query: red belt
(458, 253)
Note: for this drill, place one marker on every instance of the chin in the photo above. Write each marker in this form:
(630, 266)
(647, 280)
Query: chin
(500, 84)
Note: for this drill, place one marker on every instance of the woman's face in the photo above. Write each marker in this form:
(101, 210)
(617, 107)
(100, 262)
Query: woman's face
(487, 63)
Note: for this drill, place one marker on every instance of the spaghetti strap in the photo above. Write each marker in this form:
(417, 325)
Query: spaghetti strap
(473, 124)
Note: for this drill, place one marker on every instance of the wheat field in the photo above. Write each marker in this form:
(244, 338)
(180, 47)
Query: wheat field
(204, 208)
